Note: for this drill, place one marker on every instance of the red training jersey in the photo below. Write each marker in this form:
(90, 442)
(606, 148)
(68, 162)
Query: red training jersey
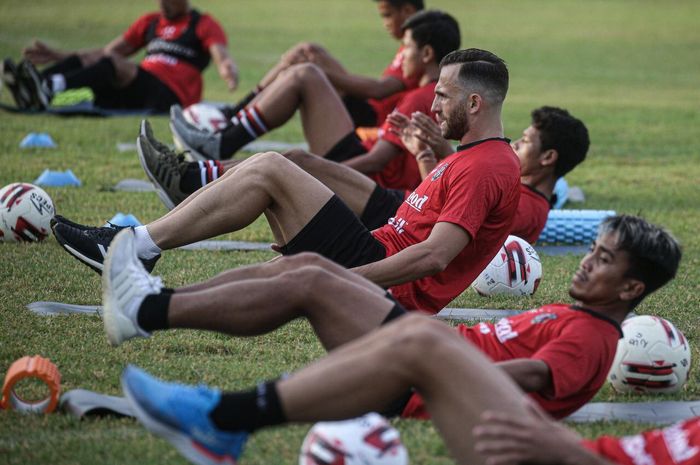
(181, 77)
(476, 188)
(578, 345)
(532, 213)
(382, 107)
(402, 171)
(678, 444)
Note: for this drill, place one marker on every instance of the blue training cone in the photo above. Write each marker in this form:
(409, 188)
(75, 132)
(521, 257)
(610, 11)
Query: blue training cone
(121, 219)
(37, 139)
(561, 191)
(57, 178)
(573, 226)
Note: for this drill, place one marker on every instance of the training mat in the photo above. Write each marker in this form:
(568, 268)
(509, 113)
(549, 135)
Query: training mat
(227, 245)
(474, 313)
(663, 412)
(80, 109)
(59, 308)
(134, 185)
(274, 146)
(81, 402)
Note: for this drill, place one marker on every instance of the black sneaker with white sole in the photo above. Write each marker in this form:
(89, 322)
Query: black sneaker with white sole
(38, 86)
(89, 245)
(201, 145)
(11, 79)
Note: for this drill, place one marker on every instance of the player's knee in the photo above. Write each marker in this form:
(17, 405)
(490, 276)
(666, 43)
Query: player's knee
(417, 333)
(307, 73)
(307, 259)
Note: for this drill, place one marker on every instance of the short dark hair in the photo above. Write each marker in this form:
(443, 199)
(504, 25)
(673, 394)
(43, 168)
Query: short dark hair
(483, 69)
(417, 4)
(565, 134)
(654, 253)
(435, 28)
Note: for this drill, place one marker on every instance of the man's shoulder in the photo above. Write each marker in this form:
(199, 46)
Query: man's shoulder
(148, 17)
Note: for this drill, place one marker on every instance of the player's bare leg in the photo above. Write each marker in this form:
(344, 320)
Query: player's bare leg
(265, 183)
(304, 86)
(456, 380)
(353, 187)
(338, 309)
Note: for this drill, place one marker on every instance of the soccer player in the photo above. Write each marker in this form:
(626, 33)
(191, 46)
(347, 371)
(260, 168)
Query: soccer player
(441, 237)
(368, 100)
(463, 391)
(553, 144)
(179, 42)
(561, 354)
(328, 128)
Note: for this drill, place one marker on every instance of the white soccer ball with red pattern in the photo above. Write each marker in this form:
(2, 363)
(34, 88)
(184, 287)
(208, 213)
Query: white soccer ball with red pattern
(25, 213)
(367, 440)
(652, 357)
(515, 270)
(205, 117)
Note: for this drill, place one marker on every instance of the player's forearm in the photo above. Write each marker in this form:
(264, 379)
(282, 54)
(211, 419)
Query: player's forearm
(529, 375)
(366, 163)
(577, 454)
(415, 262)
(363, 86)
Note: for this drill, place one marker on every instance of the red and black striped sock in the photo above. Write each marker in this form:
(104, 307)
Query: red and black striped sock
(248, 125)
(199, 174)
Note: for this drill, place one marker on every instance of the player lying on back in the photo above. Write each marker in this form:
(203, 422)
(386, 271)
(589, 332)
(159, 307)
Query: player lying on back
(553, 144)
(179, 43)
(440, 239)
(561, 354)
(328, 128)
(629, 260)
(368, 100)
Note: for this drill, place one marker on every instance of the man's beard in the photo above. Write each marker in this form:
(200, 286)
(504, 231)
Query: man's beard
(456, 127)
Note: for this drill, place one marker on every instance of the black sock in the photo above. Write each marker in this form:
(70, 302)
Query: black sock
(98, 76)
(232, 139)
(153, 312)
(199, 174)
(249, 411)
(72, 63)
(230, 111)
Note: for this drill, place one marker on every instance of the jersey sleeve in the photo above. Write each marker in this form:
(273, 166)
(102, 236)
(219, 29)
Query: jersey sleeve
(135, 35)
(410, 103)
(470, 197)
(210, 32)
(577, 354)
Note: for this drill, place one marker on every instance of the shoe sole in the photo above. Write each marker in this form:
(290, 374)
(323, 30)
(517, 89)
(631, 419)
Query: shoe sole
(96, 266)
(189, 448)
(162, 194)
(109, 303)
(31, 73)
(182, 145)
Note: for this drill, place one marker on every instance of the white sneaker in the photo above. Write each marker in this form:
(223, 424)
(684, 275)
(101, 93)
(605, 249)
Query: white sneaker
(125, 283)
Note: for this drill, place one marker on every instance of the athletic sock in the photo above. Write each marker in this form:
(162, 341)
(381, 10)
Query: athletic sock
(248, 125)
(199, 174)
(57, 83)
(153, 311)
(250, 410)
(230, 112)
(96, 76)
(145, 247)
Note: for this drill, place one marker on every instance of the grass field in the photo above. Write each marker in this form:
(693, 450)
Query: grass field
(629, 69)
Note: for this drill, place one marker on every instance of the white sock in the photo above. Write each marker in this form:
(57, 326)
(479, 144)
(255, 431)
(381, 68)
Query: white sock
(145, 247)
(58, 83)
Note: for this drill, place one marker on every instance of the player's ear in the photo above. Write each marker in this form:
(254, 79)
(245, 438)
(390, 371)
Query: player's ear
(632, 289)
(428, 54)
(549, 158)
(474, 102)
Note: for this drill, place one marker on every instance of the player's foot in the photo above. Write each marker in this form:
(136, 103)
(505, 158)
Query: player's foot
(62, 219)
(162, 166)
(89, 244)
(11, 79)
(37, 85)
(201, 145)
(125, 283)
(180, 414)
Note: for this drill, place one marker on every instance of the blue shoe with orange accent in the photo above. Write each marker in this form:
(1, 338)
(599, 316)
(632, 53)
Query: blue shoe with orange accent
(180, 414)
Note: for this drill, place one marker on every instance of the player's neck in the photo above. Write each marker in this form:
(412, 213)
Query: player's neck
(542, 182)
(480, 130)
(431, 74)
(616, 311)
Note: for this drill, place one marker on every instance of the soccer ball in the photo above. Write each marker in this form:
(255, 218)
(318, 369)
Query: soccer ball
(25, 213)
(205, 117)
(367, 440)
(515, 270)
(652, 357)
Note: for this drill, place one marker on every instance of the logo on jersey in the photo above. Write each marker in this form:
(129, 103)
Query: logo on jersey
(542, 317)
(504, 331)
(416, 202)
(439, 170)
(634, 447)
(398, 224)
(676, 439)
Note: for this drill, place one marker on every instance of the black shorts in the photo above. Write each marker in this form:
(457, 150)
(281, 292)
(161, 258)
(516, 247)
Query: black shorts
(346, 148)
(381, 206)
(145, 91)
(361, 112)
(337, 234)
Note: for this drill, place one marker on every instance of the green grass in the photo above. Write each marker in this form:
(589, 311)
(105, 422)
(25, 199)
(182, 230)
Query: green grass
(628, 68)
